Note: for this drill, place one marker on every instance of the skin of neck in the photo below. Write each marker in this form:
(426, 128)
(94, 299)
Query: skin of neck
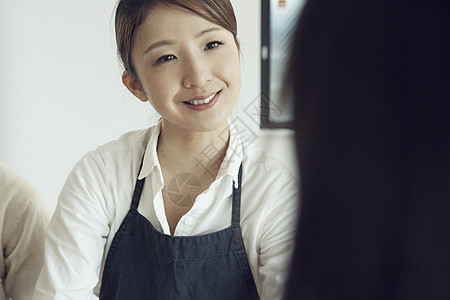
(179, 149)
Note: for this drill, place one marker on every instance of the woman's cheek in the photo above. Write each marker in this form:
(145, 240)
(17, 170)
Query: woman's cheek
(231, 68)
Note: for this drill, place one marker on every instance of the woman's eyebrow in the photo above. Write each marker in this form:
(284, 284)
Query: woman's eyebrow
(158, 44)
(169, 42)
(208, 30)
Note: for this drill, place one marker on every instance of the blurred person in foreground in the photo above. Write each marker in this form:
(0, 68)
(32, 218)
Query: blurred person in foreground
(372, 101)
(24, 216)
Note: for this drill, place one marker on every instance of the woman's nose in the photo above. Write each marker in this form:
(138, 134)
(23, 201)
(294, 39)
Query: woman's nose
(197, 73)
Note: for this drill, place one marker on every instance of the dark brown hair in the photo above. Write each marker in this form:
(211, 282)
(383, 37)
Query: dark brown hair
(132, 13)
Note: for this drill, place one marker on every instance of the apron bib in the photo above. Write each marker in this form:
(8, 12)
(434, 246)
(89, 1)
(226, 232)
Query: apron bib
(144, 263)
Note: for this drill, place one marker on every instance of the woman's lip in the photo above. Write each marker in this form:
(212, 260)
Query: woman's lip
(205, 106)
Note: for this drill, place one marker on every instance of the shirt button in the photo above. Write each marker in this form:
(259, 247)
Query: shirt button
(188, 221)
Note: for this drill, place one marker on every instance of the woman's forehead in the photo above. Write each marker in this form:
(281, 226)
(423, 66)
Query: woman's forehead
(166, 22)
(170, 16)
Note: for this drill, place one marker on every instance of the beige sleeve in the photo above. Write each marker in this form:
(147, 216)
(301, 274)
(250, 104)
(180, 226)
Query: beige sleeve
(24, 225)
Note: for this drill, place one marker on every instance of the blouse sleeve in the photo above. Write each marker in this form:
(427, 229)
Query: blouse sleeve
(77, 234)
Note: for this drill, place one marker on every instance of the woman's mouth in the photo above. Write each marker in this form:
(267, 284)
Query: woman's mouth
(200, 102)
(203, 104)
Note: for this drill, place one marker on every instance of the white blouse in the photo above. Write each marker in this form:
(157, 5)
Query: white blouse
(97, 196)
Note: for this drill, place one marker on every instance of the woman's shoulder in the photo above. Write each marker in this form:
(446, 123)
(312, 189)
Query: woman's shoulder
(257, 160)
(129, 140)
(115, 155)
(100, 176)
(267, 179)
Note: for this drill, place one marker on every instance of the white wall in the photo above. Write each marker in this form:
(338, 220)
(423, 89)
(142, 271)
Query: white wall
(60, 88)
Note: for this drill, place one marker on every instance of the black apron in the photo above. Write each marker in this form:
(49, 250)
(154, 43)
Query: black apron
(144, 263)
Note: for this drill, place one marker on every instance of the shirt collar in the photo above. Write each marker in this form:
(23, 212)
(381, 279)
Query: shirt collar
(230, 165)
(150, 160)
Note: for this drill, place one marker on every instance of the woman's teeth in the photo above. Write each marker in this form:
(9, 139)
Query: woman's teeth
(200, 102)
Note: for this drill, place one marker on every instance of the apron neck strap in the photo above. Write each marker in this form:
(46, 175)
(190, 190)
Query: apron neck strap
(236, 206)
(138, 189)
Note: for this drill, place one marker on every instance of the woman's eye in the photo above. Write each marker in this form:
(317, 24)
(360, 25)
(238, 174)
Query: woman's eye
(165, 58)
(212, 45)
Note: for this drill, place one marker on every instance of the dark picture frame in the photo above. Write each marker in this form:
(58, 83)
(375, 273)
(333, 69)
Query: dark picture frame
(278, 21)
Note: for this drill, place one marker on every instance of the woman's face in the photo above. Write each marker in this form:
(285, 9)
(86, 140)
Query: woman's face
(188, 68)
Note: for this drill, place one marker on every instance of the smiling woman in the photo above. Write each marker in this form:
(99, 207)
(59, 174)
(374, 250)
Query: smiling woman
(216, 220)
(187, 62)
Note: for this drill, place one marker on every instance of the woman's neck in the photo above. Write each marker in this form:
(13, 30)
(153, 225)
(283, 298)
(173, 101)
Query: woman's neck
(180, 150)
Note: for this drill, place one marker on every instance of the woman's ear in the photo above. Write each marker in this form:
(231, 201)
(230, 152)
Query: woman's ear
(133, 86)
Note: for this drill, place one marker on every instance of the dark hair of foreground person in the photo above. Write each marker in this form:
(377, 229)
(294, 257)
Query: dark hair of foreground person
(372, 103)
